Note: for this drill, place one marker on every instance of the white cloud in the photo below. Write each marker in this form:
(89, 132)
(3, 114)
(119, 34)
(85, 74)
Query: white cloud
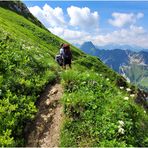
(140, 15)
(49, 16)
(134, 35)
(83, 18)
(53, 19)
(122, 19)
(83, 23)
(72, 36)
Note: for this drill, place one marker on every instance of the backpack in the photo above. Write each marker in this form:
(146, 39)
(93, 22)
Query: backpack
(59, 60)
(67, 53)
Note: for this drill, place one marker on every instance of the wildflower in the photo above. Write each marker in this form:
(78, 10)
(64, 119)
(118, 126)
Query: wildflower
(132, 95)
(128, 89)
(107, 79)
(29, 47)
(121, 130)
(121, 87)
(145, 112)
(94, 82)
(128, 80)
(84, 82)
(121, 123)
(126, 98)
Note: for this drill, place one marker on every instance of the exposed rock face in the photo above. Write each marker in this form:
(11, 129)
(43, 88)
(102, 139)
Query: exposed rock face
(20, 8)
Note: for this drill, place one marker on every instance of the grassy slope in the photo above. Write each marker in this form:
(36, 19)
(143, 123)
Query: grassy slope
(27, 65)
(11, 5)
(91, 101)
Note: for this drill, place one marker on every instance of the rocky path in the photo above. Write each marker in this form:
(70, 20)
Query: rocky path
(45, 131)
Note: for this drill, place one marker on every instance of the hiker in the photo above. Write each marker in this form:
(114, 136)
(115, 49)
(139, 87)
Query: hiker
(61, 50)
(59, 57)
(67, 55)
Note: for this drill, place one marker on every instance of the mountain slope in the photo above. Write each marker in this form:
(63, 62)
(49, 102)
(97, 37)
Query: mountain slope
(113, 58)
(122, 61)
(93, 98)
(123, 47)
(20, 8)
(89, 48)
(27, 65)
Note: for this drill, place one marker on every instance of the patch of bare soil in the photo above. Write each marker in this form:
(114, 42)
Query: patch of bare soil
(45, 130)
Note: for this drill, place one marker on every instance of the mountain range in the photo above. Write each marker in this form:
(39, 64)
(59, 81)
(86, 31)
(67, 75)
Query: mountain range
(118, 59)
(113, 46)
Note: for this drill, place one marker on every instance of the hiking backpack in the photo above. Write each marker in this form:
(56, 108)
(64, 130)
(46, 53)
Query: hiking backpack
(59, 60)
(67, 53)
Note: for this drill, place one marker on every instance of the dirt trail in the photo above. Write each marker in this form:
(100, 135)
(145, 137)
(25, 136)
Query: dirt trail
(45, 131)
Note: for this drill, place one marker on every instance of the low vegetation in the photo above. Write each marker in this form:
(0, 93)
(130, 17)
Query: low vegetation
(27, 65)
(100, 114)
(98, 109)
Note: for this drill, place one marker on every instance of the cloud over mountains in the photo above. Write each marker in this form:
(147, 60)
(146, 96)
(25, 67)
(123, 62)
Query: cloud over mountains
(80, 24)
(83, 17)
(122, 19)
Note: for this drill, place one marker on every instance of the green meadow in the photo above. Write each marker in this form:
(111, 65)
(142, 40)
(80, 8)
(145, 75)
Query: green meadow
(99, 105)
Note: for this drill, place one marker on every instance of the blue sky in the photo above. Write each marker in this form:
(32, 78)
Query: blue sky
(102, 22)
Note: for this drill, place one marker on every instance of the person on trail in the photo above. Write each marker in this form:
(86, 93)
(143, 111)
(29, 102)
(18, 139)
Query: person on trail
(59, 57)
(61, 49)
(67, 55)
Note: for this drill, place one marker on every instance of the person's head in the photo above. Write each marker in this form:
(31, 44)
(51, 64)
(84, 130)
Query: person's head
(61, 45)
(66, 46)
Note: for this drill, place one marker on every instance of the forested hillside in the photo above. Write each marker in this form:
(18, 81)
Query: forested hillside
(100, 107)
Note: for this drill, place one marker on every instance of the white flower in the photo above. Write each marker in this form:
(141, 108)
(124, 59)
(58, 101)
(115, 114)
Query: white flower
(121, 130)
(128, 80)
(132, 95)
(121, 87)
(128, 89)
(126, 98)
(84, 82)
(145, 112)
(107, 79)
(121, 123)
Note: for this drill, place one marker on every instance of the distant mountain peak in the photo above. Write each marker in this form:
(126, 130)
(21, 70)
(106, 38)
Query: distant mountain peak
(88, 47)
(88, 43)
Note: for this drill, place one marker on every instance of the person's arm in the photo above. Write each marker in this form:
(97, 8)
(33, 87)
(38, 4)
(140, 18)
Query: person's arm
(61, 51)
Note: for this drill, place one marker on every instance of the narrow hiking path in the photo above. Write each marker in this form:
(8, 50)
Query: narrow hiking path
(45, 130)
